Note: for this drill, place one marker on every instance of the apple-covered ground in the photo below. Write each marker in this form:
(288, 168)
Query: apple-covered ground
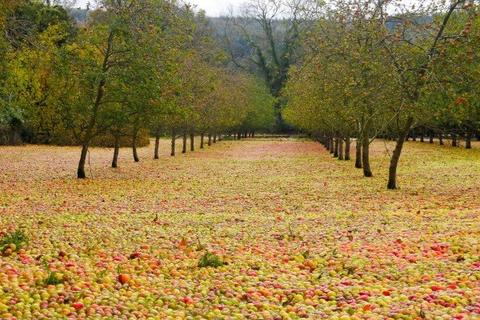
(292, 232)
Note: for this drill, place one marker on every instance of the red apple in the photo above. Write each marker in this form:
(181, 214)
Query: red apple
(123, 278)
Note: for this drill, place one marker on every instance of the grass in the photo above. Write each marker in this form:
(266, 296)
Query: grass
(302, 235)
(13, 241)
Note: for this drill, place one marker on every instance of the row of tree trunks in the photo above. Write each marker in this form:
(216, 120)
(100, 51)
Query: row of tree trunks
(341, 148)
(455, 141)
(136, 158)
(212, 139)
(243, 135)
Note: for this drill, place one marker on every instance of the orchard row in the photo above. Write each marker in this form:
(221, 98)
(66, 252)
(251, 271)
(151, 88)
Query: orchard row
(381, 69)
(134, 69)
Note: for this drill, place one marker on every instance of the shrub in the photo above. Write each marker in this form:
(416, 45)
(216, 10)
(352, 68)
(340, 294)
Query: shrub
(210, 260)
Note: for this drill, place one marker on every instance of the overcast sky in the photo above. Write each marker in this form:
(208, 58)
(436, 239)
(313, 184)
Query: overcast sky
(215, 7)
(212, 7)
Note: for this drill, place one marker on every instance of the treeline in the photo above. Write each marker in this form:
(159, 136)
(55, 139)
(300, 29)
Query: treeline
(377, 69)
(134, 69)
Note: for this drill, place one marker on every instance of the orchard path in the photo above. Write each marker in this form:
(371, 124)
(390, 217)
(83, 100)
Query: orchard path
(304, 235)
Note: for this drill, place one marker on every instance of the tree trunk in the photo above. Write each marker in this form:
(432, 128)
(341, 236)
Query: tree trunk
(422, 133)
(327, 144)
(397, 152)
(440, 138)
(358, 154)
(209, 139)
(246, 134)
(173, 143)
(81, 164)
(214, 138)
(347, 148)
(253, 134)
(335, 148)
(367, 172)
(184, 142)
(431, 136)
(340, 148)
(468, 140)
(116, 151)
(454, 140)
(202, 140)
(134, 147)
(157, 147)
(414, 136)
(98, 100)
(192, 141)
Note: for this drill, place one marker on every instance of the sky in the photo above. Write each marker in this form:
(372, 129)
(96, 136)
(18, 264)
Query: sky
(213, 8)
(216, 8)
